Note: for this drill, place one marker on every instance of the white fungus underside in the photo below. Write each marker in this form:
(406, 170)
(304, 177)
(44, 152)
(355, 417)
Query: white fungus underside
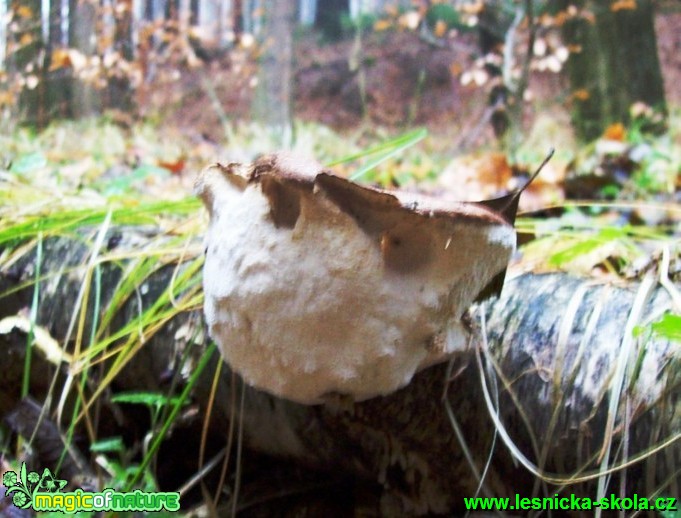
(313, 310)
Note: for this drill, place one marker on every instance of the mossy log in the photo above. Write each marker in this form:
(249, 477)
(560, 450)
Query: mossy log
(553, 351)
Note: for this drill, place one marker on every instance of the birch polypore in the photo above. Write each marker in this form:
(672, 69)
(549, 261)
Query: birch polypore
(315, 285)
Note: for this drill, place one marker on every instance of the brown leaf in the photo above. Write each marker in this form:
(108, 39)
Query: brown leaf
(440, 28)
(581, 94)
(60, 59)
(25, 12)
(623, 5)
(616, 132)
(382, 25)
(6, 98)
(26, 39)
(175, 167)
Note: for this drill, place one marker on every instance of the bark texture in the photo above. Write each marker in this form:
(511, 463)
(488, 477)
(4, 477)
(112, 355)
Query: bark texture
(614, 63)
(556, 341)
(274, 95)
(24, 43)
(85, 99)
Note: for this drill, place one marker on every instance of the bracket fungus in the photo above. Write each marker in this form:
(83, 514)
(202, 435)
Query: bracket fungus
(316, 286)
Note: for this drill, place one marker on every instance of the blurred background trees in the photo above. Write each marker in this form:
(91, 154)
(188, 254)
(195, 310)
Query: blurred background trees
(74, 58)
(613, 63)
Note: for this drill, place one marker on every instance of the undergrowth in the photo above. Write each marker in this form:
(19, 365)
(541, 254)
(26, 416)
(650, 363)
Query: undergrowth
(83, 180)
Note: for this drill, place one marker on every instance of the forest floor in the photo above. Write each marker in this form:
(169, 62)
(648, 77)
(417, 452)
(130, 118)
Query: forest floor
(199, 115)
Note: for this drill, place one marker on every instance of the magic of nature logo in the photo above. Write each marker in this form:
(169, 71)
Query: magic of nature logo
(30, 489)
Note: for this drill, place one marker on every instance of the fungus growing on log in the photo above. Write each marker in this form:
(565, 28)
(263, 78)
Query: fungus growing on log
(316, 286)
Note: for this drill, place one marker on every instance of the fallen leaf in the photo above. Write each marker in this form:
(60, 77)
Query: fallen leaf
(581, 94)
(6, 98)
(60, 59)
(26, 39)
(616, 132)
(25, 12)
(455, 68)
(440, 29)
(382, 25)
(623, 5)
(175, 167)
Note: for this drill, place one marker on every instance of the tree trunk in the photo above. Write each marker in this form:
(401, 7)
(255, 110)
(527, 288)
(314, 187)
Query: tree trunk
(238, 17)
(123, 42)
(274, 96)
(558, 349)
(614, 63)
(226, 22)
(56, 34)
(24, 58)
(82, 17)
(118, 89)
(328, 17)
(3, 38)
(307, 12)
(57, 81)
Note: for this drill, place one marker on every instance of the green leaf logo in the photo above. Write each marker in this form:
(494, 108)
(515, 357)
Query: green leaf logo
(23, 485)
(21, 500)
(17, 486)
(9, 479)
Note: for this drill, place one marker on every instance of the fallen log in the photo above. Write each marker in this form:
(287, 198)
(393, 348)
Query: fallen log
(575, 392)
